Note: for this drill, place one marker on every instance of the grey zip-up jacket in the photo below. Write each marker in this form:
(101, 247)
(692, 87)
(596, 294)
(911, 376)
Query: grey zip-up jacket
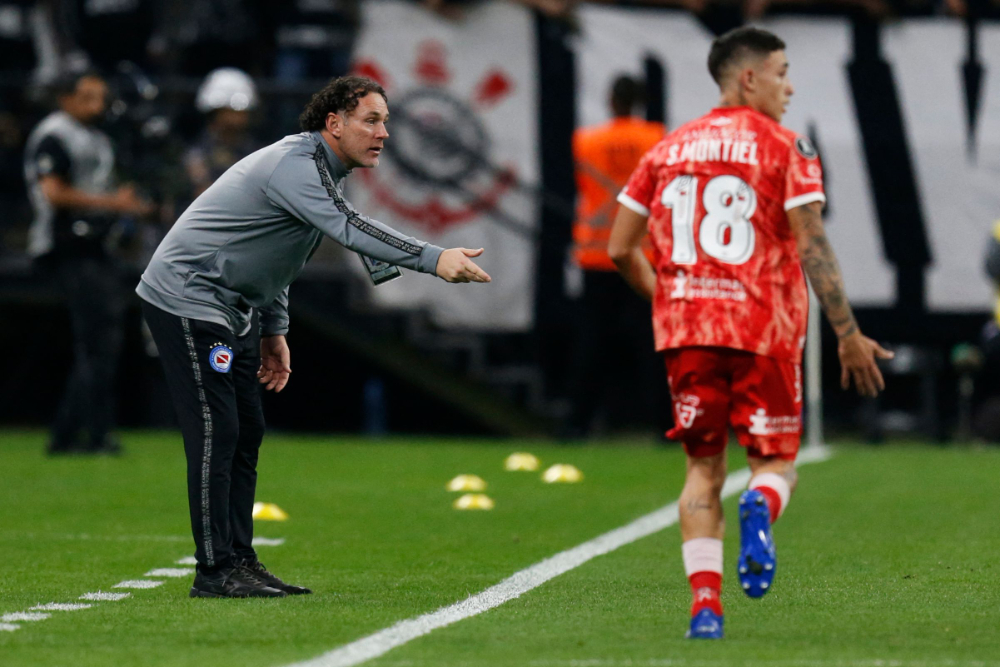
(246, 238)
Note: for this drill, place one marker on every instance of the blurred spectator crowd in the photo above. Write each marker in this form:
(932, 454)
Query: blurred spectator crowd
(156, 55)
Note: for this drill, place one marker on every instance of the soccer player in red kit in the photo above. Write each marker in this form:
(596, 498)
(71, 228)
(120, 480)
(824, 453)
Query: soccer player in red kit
(732, 202)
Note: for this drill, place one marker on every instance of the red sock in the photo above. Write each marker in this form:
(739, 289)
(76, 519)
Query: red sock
(773, 501)
(706, 587)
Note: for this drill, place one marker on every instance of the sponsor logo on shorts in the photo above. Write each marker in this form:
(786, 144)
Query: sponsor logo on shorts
(763, 424)
(687, 410)
(220, 358)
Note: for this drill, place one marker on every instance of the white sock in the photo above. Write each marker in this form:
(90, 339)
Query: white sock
(776, 483)
(702, 554)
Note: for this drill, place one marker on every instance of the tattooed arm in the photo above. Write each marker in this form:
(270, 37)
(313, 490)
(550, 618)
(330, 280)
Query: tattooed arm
(857, 352)
(820, 265)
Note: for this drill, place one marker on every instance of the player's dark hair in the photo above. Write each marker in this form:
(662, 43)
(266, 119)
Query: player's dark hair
(626, 92)
(735, 45)
(66, 82)
(341, 95)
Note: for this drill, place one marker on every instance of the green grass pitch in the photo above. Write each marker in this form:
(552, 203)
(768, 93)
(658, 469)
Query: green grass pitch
(887, 556)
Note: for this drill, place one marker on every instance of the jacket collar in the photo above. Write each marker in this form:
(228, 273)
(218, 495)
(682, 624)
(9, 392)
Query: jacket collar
(337, 168)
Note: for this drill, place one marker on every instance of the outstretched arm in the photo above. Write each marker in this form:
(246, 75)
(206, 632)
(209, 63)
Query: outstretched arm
(857, 352)
(625, 249)
(305, 189)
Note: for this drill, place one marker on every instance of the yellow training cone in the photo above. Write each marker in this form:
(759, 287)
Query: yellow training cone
(521, 461)
(467, 483)
(562, 472)
(473, 501)
(269, 512)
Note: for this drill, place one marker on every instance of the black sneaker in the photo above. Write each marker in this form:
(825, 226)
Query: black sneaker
(234, 582)
(257, 569)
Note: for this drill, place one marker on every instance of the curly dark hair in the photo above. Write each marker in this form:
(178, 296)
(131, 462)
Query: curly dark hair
(736, 45)
(340, 95)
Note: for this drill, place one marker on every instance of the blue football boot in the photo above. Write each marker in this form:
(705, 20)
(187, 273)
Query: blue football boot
(706, 624)
(758, 559)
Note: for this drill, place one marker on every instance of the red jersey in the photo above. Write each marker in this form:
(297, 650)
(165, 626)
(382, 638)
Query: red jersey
(716, 191)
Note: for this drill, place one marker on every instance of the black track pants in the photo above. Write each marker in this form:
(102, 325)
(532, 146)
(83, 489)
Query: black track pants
(96, 298)
(212, 376)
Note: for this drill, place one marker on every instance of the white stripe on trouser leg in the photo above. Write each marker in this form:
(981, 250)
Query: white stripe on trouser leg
(702, 554)
(773, 480)
(206, 455)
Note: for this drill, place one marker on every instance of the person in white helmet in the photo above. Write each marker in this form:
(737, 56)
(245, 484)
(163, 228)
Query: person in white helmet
(226, 98)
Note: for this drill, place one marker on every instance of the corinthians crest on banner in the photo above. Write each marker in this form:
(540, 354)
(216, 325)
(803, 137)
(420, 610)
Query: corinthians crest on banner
(462, 144)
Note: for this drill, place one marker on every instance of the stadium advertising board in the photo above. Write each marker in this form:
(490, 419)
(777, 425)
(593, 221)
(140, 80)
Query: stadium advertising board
(907, 121)
(462, 104)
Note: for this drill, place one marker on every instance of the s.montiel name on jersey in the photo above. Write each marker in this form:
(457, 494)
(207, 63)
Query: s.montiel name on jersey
(716, 192)
(727, 149)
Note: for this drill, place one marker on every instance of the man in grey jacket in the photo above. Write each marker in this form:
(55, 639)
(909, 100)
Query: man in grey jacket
(215, 296)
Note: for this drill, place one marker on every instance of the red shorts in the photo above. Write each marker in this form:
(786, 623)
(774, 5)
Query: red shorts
(717, 387)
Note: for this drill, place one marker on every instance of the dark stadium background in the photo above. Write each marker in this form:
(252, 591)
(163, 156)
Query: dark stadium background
(358, 371)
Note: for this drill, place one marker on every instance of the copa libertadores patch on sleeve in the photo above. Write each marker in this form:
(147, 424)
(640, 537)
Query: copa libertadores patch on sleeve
(805, 148)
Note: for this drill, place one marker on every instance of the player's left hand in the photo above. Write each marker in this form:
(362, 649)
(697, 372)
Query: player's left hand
(858, 361)
(275, 363)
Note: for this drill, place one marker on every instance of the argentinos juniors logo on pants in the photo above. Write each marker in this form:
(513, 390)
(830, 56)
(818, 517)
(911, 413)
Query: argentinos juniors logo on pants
(220, 358)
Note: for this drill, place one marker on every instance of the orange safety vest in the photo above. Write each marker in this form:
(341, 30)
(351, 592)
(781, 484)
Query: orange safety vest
(605, 157)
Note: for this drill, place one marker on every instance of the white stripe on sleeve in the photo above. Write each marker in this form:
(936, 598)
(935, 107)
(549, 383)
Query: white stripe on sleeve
(632, 204)
(802, 200)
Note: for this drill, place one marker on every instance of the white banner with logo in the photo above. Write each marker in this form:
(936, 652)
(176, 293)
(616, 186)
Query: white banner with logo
(463, 117)
(957, 182)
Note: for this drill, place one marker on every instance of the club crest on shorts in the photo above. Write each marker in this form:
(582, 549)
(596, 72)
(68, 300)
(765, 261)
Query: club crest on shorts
(220, 358)
(687, 409)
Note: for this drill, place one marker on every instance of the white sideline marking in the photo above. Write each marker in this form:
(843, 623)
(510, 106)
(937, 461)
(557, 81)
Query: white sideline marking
(383, 641)
(137, 583)
(187, 560)
(170, 572)
(9, 627)
(101, 596)
(60, 606)
(24, 616)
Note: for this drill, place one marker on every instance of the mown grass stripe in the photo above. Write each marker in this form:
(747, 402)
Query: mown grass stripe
(383, 641)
